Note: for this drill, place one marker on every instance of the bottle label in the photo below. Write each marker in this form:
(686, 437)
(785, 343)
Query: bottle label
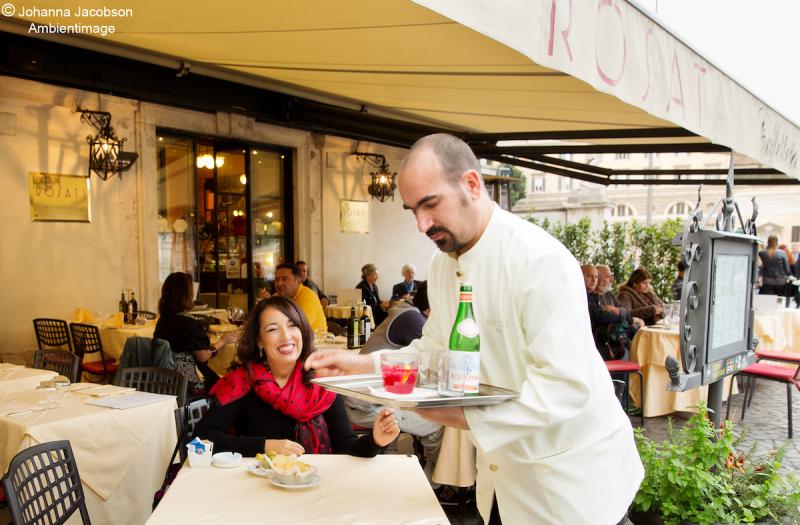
(472, 373)
(467, 328)
(466, 297)
(455, 372)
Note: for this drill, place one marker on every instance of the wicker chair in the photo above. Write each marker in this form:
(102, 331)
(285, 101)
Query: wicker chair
(155, 380)
(43, 485)
(65, 363)
(186, 418)
(86, 340)
(51, 333)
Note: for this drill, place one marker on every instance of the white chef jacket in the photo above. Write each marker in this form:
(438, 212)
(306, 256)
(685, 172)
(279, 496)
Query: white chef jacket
(563, 452)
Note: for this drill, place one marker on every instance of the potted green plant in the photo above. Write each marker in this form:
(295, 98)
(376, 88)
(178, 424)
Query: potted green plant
(697, 476)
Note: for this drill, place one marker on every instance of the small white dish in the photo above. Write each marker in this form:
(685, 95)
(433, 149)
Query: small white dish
(226, 459)
(417, 393)
(315, 479)
(260, 471)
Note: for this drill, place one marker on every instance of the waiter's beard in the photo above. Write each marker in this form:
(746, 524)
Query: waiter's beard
(448, 243)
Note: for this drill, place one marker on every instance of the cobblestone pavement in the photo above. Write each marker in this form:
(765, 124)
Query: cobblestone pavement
(765, 422)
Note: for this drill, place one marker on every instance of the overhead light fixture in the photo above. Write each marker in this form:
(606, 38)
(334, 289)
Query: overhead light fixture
(382, 183)
(243, 179)
(106, 155)
(208, 161)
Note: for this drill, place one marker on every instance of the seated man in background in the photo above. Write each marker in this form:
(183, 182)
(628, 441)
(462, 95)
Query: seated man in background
(407, 288)
(608, 301)
(302, 266)
(288, 284)
(403, 324)
(610, 325)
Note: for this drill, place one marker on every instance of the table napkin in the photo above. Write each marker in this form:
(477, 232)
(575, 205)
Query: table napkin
(82, 315)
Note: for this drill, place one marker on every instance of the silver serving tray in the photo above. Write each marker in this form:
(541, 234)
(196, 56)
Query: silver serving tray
(358, 386)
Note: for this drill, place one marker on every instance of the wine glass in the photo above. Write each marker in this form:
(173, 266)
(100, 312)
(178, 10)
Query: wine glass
(236, 315)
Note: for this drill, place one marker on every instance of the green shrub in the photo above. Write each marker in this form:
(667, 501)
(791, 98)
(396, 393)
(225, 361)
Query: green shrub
(697, 475)
(623, 247)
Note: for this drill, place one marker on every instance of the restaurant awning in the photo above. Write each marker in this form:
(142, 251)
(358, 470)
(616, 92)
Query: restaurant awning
(600, 74)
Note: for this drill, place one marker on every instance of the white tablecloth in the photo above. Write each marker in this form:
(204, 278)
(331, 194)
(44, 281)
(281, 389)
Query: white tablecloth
(385, 490)
(15, 378)
(650, 348)
(121, 455)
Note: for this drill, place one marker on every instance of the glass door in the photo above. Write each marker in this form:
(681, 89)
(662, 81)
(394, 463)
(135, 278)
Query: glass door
(222, 175)
(224, 215)
(270, 225)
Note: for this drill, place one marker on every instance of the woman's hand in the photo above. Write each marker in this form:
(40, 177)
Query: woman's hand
(385, 429)
(385, 305)
(201, 356)
(228, 338)
(283, 446)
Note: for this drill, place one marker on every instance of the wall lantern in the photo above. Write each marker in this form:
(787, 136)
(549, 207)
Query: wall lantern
(106, 155)
(382, 183)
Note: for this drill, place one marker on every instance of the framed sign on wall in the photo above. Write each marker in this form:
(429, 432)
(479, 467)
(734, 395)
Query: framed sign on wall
(56, 197)
(353, 216)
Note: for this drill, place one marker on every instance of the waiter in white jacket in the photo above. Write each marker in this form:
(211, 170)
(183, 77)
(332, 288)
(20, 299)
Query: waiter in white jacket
(563, 452)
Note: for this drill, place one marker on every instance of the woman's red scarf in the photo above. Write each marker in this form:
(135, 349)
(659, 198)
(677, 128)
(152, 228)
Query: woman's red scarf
(303, 403)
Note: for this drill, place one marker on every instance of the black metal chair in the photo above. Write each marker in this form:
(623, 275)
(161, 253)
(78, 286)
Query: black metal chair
(144, 314)
(155, 380)
(65, 363)
(86, 340)
(186, 419)
(51, 333)
(43, 486)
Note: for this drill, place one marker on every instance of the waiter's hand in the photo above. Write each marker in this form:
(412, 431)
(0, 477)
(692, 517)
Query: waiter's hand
(330, 362)
(449, 416)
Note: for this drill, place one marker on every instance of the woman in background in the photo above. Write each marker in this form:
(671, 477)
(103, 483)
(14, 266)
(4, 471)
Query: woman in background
(370, 294)
(186, 336)
(639, 298)
(774, 269)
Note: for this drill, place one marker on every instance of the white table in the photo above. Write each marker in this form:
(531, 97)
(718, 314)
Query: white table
(15, 378)
(121, 455)
(384, 490)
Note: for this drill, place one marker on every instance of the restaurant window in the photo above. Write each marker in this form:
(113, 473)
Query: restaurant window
(224, 215)
(622, 210)
(679, 208)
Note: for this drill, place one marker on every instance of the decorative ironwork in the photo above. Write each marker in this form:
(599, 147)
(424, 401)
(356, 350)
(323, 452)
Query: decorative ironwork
(382, 183)
(106, 155)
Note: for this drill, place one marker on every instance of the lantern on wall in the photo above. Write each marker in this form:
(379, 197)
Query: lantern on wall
(106, 155)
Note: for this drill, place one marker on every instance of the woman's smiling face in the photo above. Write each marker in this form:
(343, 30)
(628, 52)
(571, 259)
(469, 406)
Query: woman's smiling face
(280, 338)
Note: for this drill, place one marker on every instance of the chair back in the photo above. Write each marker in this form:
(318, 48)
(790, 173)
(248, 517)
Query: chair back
(186, 419)
(85, 339)
(155, 380)
(65, 363)
(43, 486)
(51, 332)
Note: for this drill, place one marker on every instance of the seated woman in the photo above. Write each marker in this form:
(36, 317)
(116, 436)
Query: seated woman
(270, 402)
(186, 336)
(640, 299)
(370, 294)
